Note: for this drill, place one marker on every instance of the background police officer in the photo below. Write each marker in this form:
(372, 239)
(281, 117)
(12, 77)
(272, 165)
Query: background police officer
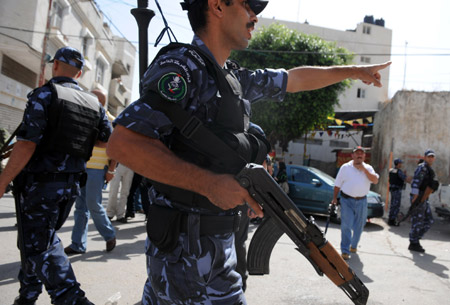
(197, 266)
(51, 164)
(421, 216)
(397, 179)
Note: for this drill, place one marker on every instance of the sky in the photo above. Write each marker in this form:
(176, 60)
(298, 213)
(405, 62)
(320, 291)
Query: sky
(420, 51)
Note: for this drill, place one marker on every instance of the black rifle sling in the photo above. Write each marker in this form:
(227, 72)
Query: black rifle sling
(193, 129)
(189, 125)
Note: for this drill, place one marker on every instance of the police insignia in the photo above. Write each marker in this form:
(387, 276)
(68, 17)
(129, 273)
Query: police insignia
(172, 87)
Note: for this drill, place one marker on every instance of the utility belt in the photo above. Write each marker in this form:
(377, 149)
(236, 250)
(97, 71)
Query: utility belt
(164, 226)
(57, 177)
(348, 196)
(394, 187)
(185, 197)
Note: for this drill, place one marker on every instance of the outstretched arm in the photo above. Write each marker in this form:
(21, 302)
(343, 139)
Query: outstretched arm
(311, 78)
(152, 159)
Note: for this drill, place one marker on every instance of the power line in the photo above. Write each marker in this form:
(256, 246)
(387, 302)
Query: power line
(256, 51)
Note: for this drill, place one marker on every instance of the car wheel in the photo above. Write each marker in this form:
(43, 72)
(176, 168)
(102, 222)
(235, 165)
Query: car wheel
(336, 217)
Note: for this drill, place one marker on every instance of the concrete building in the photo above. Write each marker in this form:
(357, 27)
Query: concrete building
(371, 43)
(76, 23)
(404, 128)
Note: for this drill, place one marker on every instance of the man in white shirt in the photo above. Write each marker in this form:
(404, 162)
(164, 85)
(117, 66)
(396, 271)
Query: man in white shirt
(353, 181)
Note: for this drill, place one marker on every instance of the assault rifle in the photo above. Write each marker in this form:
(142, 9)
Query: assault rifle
(7, 147)
(416, 204)
(282, 216)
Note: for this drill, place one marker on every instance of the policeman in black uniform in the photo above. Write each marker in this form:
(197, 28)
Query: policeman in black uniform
(60, 126)
(191, 255)
(397, 179)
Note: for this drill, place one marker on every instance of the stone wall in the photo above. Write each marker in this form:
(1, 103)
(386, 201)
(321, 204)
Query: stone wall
(404, 128)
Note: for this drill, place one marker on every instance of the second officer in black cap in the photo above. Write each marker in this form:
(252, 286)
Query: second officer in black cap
(397, 180)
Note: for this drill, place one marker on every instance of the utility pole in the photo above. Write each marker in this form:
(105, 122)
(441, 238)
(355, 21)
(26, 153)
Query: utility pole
(143, 15)
(44, 45)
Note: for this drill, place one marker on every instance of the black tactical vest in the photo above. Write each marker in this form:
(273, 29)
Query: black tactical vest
(231, 122)
(230, 125)
(394, 179)
(429, 180)
(73, 120)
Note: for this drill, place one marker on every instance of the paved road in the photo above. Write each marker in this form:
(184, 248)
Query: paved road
(393, 274)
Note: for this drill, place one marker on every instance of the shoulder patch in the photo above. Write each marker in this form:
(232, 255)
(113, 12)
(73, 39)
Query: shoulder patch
(172, 87)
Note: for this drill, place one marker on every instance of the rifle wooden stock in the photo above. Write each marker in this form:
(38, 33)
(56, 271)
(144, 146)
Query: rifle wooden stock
(282, 216)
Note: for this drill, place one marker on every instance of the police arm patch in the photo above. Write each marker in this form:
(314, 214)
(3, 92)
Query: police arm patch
(172, 86)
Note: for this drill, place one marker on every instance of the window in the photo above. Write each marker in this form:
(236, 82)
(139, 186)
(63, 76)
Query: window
(85, 45)
(309, 141)
(86, 41)
(302, 176)
(365, 59)
(361, 93)
(102, 67)
(17, 72)
(57, 15)
(100, 71)
(366, 29)
(334, 143)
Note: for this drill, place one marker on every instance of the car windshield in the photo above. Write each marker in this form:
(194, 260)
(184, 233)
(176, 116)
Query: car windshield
(325, 177)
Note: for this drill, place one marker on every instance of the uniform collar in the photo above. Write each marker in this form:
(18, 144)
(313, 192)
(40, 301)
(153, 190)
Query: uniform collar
(63, 79)
(196, 41)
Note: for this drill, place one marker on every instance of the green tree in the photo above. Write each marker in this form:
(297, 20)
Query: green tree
(277, 46)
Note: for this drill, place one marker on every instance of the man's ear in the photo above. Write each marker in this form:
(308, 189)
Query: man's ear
(215, 6)
(55, 65)
(79, 74)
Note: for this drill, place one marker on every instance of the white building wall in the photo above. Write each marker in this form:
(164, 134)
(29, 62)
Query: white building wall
(21, 39)
(407, 126)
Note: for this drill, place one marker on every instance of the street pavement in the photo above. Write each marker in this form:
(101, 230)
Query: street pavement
(392, 274)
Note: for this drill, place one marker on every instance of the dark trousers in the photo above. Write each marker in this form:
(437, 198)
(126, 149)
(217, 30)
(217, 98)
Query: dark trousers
(396, 198)
(44, 207)
(239, 241)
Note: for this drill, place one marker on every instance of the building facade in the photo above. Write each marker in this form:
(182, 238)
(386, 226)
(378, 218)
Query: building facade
(370, 42)
(77, 23)
(405, 128)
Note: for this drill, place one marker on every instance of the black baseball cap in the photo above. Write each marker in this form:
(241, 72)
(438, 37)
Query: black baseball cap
(257, 6)
(70, 56)
(397, 161)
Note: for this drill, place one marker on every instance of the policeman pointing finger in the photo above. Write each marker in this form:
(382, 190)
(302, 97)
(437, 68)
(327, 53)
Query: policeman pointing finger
(186, 89)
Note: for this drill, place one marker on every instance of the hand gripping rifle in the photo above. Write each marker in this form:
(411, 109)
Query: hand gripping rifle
(416, 204)
(282, 216)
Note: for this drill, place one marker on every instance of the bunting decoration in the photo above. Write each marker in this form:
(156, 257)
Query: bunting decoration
(355, 124)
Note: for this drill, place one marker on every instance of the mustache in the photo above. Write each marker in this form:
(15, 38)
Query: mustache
(250, 25)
